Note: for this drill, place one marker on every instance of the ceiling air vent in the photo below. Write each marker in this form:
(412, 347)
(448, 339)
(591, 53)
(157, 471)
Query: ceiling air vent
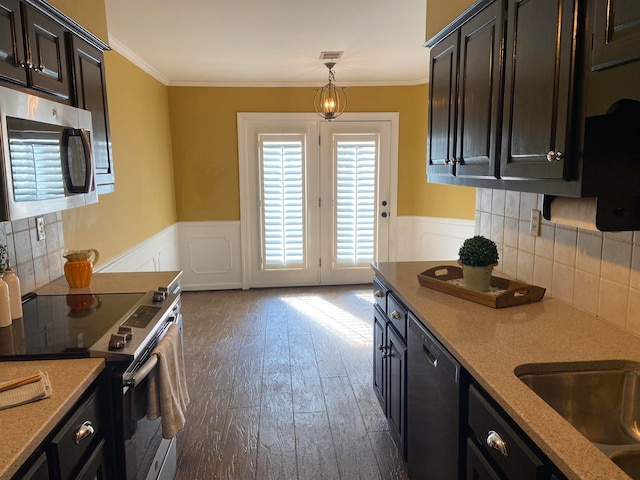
(332, 56)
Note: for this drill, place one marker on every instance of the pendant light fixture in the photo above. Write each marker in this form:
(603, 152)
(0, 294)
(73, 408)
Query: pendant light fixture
(330, 101)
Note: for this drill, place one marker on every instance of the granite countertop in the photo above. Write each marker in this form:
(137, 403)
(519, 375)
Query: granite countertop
(129, 282)
(26, 426)
(490, 343)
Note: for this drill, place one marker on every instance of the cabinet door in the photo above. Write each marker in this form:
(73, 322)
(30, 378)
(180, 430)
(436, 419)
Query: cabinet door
(379, 348)
(90, 93)
(11, 43)
(479, 93)
(442, 106)
(396, 378)
(478, 468)
(539, 57)
(616, 32)
(95, 467)
(50, 71)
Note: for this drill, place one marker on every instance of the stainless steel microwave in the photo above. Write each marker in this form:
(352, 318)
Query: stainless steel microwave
(47, 164)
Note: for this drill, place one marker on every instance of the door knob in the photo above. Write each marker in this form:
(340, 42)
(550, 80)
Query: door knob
(384, 214)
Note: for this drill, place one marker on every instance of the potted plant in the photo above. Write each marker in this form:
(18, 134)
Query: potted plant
(477, 257)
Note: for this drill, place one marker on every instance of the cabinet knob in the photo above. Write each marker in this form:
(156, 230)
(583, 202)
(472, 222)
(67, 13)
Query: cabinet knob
(495, 441)
(85, 430)
(554, 156)
(387, 355)
(395, 315)
(378, 294)
(382, 347)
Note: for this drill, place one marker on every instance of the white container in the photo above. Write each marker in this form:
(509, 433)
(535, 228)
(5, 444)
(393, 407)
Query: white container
(15, 295)
(5, 309)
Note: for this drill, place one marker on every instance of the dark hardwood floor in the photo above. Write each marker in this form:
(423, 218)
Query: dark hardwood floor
(280, 386)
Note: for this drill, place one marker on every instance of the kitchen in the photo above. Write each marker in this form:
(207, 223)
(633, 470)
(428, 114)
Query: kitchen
(162, 211)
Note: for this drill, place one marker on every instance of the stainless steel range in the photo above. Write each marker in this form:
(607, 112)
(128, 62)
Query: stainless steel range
(122, 328)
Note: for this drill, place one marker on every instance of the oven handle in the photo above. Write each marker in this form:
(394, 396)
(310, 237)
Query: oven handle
(143, 371)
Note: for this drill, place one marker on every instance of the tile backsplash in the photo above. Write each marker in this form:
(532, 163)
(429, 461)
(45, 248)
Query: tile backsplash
(594, 271)
(37, 262)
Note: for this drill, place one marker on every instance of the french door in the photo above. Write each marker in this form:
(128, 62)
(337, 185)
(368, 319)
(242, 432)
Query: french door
(315, 198)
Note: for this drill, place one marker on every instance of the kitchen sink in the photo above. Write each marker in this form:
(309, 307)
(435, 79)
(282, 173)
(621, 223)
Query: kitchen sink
(600, 399)
(628, 461)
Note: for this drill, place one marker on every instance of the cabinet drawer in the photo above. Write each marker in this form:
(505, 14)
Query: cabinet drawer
(397, 314)
(64, 452)
(380, 294)
(519, 461)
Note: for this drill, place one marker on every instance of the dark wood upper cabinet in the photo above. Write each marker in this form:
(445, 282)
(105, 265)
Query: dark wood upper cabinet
(479, 93)
(616, 33)
(90, 93)
(32, 50)
(465, 88)
(538, 96)
(46, 49)
(12, 53)
(442, 106)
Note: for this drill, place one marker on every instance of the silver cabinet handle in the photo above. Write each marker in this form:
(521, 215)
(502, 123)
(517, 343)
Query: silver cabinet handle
(494, 440)
(378, 294)
(382, 347)
(554, 156)
(387, 355)
(85, 430)
(395, 315)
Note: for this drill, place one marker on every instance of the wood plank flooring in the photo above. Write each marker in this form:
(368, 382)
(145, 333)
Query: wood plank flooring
(280, 385)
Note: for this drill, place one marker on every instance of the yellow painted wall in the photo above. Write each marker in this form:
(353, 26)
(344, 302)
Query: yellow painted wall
(205, 147)
(441, 13)
(143, 203)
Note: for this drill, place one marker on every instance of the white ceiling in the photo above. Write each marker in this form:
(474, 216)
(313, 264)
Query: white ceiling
(272, 42)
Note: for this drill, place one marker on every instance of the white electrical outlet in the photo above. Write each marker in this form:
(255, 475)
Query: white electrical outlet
(40, 228)
(534, 228)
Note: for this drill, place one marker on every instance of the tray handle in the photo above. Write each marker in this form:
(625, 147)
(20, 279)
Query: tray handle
(444, 272)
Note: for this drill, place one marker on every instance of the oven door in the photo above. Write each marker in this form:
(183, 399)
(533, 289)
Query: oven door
(147, 455)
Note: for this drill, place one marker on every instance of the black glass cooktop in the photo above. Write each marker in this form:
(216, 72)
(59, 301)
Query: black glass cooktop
(63, 326)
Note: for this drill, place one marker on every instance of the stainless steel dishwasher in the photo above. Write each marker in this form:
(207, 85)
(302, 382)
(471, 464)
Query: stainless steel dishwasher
(433, 386)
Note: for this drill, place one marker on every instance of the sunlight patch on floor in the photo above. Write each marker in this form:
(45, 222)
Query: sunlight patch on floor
(332, 317)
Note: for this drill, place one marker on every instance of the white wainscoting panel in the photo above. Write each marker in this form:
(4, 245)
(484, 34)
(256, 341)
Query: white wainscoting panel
(431, 238)
(210, 255)
(156, 253)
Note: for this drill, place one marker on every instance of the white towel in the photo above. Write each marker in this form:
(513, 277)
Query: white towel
(26, 393)
(168, 396)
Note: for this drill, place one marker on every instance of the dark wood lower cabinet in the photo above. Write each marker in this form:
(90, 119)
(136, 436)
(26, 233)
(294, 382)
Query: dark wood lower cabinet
(396, 381)
(478, 468)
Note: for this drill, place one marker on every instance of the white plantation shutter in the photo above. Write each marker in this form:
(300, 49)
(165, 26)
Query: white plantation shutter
(283, 201)
(355, 193)
(35, 168)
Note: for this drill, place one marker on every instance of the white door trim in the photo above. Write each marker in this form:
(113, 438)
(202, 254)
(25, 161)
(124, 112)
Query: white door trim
(245, 144)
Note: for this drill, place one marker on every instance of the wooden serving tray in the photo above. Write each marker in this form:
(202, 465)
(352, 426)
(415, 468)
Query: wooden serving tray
(502, 292)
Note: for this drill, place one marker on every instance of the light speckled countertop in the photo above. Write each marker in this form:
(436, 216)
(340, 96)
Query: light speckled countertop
(25, 427)
(491, 343)
(129, 282)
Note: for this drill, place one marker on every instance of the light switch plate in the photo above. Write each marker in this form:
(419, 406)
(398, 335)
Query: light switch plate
(40, 228)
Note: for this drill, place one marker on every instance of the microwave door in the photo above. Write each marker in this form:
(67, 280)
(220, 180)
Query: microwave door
(76, 160)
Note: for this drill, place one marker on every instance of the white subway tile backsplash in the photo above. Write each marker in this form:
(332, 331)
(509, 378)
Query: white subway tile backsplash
(586, 291)
(498, 202)
(565, 245)
(543, 273)
(511, 226)
(562, 282)
(509, 261)
(595, 271)
(613, 302)
(526, 241)
(633, 312)
(589, 251)
(545, 242)
(528, 202)
(616, 261)
(37, 262)
(525, 267)
(512, 205)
